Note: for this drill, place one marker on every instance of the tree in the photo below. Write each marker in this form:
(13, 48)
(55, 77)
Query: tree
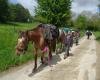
(22, 14)
(94, 22)
(12, 12)
(99, 9)
(18, 13)
(81, 22)
(56, 12)
(4, 10)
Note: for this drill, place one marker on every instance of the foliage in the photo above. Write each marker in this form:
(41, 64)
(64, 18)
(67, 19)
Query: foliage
(94, 22)
(18, 13)
(87, 22)
(81, 22)
(4, 10)
(40, 19)
(97, 34)
(56, 12)
(12, 12)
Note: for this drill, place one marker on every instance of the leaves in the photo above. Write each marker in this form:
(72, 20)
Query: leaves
(18, 13)
(4, 10)
(56, 12)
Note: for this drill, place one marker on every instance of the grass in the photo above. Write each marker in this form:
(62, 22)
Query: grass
(97, 34)
(82, 33)
(8, 41)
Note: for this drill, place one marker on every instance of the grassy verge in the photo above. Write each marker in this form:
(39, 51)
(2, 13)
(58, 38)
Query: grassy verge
(8, 40)
(97, 34)
(82, 33)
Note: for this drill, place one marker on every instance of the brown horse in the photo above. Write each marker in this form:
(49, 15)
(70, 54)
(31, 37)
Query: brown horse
(61, 38)
(35, 36)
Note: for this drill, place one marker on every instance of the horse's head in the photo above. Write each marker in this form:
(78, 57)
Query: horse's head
(22, 43)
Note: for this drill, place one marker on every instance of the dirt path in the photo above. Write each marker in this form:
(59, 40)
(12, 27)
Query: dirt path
(98, 61)
(80, 66)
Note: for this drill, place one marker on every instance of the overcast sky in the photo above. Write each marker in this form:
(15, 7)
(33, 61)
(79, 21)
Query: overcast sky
(85, 5)
(77, 5)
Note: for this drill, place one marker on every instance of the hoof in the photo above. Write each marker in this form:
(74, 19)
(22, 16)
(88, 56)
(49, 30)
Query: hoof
(30, 75)
(65, 56)
(34, 70)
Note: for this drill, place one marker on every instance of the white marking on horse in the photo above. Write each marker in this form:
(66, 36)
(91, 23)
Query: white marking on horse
(20, 40)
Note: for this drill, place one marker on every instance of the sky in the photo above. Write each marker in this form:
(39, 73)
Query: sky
(78, 6)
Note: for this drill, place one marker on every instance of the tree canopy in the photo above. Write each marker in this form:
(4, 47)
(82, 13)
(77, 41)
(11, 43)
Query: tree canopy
(18, 13)
(56, 12)
(4, 10)
(13, 12)
(88, 23)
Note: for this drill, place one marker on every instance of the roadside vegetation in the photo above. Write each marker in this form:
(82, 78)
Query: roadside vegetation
(8, 41)
(97, 35)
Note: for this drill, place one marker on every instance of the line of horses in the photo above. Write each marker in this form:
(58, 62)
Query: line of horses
(44, 37)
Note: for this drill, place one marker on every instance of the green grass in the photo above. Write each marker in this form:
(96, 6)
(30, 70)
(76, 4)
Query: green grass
(8, 41)
(82, 33)
(97, 34)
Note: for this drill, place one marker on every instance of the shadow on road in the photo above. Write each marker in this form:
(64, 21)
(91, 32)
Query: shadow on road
(55, 59)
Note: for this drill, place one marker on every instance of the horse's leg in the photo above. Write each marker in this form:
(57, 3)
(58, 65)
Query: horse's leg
(88, 36)
(66, 52)
(50, 52)
(49, 56)
(42, 58)
(54, 45)
(35, 56)
(61, 45)
(76, 41)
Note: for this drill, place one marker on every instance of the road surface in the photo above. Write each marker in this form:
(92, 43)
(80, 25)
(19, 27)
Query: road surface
(81, 65)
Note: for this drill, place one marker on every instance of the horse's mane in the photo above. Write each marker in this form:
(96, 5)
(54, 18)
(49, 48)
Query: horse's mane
(34, 29)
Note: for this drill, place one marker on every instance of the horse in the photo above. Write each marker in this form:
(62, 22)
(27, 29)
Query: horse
(88, 33)
(36, 37)
(77, 36)
(66, 40)
(61, 39)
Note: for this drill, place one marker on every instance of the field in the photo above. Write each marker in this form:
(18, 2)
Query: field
(8, 41)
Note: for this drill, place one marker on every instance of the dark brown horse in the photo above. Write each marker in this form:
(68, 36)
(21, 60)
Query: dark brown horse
(35, 36)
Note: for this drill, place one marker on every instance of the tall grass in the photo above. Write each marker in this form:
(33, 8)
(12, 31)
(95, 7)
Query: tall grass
(8, 41)
(82, 33)
(97, 34)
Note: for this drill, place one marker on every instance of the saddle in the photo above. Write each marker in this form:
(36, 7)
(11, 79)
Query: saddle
(50, 31)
